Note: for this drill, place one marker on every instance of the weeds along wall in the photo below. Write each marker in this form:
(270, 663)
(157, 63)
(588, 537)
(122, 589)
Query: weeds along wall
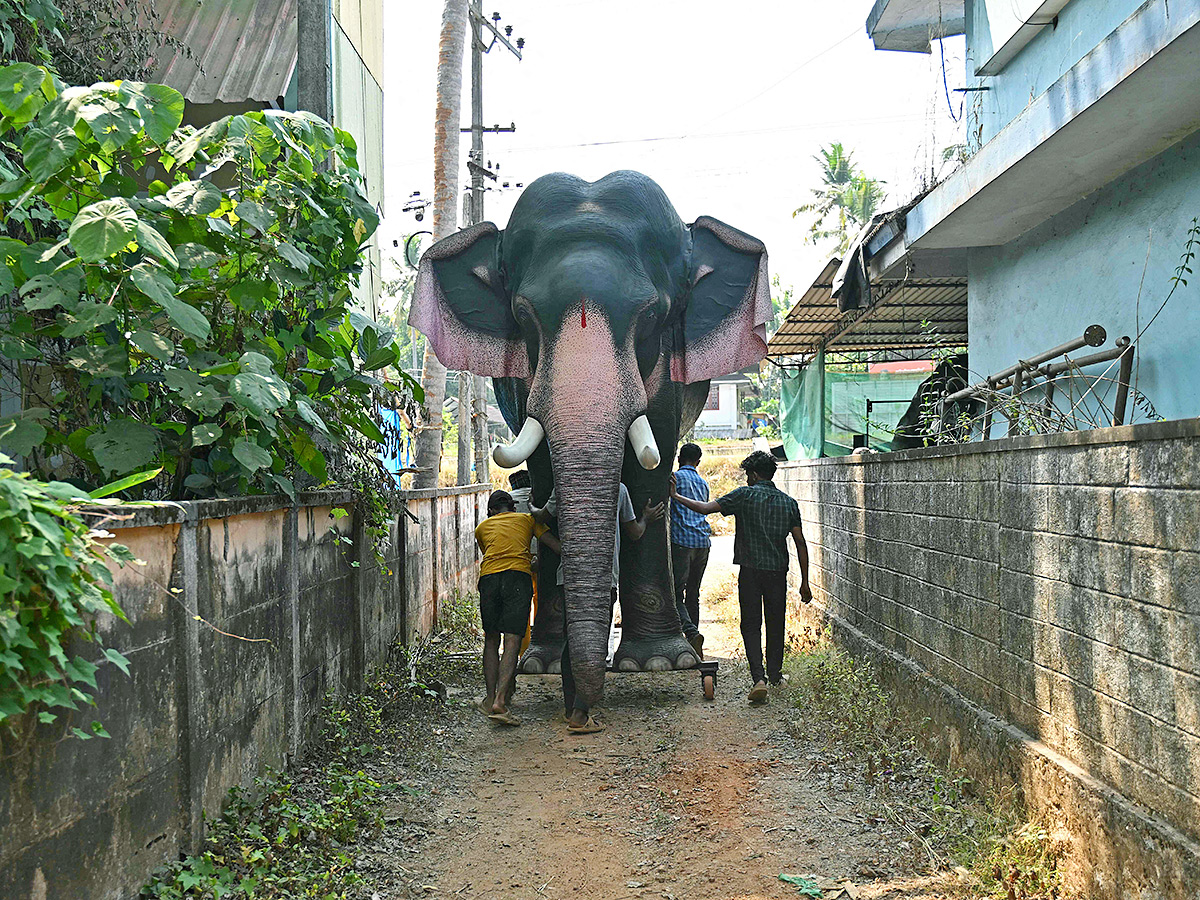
(1039, 599)
(305, 610)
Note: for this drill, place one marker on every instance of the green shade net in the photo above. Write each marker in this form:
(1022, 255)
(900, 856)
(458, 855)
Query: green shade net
(802, 410)
(823, 409)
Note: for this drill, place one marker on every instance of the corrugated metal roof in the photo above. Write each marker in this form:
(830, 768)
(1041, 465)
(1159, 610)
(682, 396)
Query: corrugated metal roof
(892, 322)
(244, 49)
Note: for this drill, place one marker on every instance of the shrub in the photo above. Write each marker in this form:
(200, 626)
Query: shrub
(183, 298)
(54, 583)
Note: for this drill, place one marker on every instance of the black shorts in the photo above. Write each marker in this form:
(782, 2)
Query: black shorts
(505, 599)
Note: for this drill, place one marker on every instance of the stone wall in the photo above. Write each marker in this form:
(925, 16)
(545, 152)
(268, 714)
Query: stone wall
(204, 711)
(1040, 598)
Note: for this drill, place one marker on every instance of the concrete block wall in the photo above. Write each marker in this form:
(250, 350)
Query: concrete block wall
(1050, 581)
(203, 711)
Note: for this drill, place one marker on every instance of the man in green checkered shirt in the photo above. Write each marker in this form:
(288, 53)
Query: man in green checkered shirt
(765, 517)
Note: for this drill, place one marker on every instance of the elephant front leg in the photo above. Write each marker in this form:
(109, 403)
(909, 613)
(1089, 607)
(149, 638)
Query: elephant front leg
(651, 636)
(544, 654)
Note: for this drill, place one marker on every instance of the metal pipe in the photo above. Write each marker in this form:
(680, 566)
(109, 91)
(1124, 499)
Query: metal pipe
(1123, 376)
(1084, 361)
(1093, 336)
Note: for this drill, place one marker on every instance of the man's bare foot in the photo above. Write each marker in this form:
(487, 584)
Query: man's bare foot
(485, 705)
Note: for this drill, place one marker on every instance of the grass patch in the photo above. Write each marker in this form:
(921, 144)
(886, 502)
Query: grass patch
(294, 834)
(948, 824)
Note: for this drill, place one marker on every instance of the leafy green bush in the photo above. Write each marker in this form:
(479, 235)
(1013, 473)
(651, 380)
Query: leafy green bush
(179, 297)
(285, 839)
(54, 582)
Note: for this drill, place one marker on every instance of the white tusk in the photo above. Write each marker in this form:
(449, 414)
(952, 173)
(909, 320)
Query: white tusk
(509, 456)
(642, 439)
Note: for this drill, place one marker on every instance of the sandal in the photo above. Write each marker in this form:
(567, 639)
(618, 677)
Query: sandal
(591, 726)
(504, 718)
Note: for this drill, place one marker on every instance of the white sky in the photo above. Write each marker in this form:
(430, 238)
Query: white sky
(723, 104)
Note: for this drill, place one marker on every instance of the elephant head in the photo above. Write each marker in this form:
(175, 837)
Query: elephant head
(601, 313)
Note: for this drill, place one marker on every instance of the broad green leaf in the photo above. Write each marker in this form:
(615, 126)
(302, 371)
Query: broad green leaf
(48, 291)
(117, 185)
(205, 434)
(20, 434)
(309, 457)
(34, 261)
(153, 345)
(194, 198)
(255, 214)
(381, 358)
(196, 256)
(260, 394)
(97, 361)
(123, 445)
(113, 124)
(196, 395)
(309, 415)
(250, 455)
(244, 132)
(367, 428)
(250, 361)
(103, 228)
(154, 243)
(122, 484)
(117, 659)
(295, 257)
(18, 83)
(160, 107)
(248, 293)
(47, 150)
(156, 285)
(284, 484)
(86, 317)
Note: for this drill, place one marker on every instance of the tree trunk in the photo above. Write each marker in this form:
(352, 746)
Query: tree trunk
(479, 433)
(446, 139)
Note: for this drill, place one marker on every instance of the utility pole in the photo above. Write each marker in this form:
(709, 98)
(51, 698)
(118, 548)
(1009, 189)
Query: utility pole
(479, 171)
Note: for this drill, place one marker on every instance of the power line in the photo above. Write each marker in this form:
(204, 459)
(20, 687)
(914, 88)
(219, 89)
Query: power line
(776, 84)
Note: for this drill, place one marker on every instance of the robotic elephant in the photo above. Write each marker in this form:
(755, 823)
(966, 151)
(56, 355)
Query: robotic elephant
(601, 317)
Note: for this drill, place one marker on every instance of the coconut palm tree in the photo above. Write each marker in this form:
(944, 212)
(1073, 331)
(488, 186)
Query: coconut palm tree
(846, 193)
(428, 445)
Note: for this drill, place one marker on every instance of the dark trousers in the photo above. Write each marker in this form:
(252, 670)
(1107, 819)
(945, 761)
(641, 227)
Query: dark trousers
(688, 564)
(761, 592)
(570, 701)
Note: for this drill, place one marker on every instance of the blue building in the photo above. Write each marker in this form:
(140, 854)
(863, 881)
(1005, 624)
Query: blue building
(1078, 200)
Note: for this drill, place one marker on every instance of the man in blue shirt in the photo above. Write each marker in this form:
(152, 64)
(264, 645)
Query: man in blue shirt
(690, 543)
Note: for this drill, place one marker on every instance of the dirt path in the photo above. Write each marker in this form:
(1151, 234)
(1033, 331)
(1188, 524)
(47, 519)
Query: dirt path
(678, 798)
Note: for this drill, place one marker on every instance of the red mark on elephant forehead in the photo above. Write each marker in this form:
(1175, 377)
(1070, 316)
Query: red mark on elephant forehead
(583, 312)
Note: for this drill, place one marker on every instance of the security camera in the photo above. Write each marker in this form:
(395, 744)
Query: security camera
(420, 215)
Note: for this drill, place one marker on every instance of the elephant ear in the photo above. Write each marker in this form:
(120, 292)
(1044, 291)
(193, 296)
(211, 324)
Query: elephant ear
(724, 323)
(461, 306)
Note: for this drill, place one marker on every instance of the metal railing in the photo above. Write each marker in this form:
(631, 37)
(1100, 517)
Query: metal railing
(1040, 374)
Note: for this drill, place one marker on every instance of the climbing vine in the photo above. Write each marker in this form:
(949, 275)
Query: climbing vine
(54, 582)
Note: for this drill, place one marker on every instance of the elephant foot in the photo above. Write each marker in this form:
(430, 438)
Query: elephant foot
(654, 654)
(541, 659)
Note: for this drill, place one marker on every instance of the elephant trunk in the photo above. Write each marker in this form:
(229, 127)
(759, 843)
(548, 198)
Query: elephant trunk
(586, 420)
(586, 484)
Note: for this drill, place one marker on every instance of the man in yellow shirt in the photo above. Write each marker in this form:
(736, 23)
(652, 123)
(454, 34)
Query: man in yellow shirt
(505, 593)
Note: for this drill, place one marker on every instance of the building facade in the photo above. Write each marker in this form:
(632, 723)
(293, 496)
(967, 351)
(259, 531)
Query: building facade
(1078, 202)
